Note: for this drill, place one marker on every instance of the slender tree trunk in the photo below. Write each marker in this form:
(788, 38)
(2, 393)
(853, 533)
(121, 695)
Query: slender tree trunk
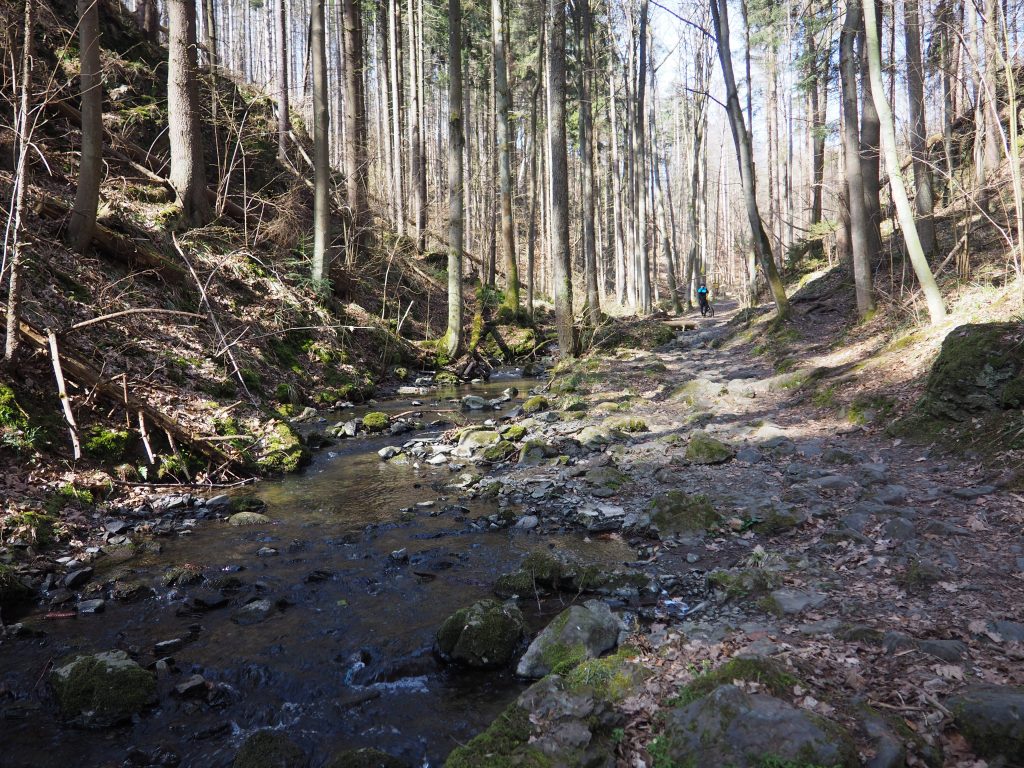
(918, 136)
(993, 143)
(559, 175)
(817, 127)
(417, 159)
(892, 163)
(394, 49)
(870, 143)
(531, 243)
(851, 151)
(321, 141)
(90, 170)
(745, 158)
(188, 166)
(666, 244)
(619, 234)
(456, 143)
(640, 162)
(16, 263)
(283, 116)
(503, 104)
(355, 129)
(593, 304)
(210, 22)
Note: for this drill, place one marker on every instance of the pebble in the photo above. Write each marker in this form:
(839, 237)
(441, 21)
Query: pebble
(77, 578)
(266, 552)
(527, 522)
(194, 686)
(165, 647)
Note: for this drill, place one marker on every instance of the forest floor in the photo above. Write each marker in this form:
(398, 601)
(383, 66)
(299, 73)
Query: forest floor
(884, 575)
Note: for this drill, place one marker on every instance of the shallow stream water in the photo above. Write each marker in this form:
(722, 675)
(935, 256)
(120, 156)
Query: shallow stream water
(348, 659)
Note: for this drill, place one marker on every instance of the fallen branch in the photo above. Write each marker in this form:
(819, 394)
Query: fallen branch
(122, 313)
(62, 393)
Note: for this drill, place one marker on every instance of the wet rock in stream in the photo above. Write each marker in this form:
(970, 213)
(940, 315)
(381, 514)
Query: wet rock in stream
(486, 634)
(102, 689)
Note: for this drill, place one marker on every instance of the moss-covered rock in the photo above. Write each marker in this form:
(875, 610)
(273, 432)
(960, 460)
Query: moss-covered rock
(535, 451)
(103, 689)
(183, 575)
(500, 451)
(375, 421)
(240, 519)
(536, 404)
(365, 758)
(732, 727)
(505, 744)
(675, 512)
(486, 634)
(705, 449)
(578, 633)
(515, 433)
(629, 426)
(540, 572)
(744, 582)
(770, 675)
(477, 437)
(990, 717)
(270, 749)
(609, 478)
(573, 404)
(281, 450)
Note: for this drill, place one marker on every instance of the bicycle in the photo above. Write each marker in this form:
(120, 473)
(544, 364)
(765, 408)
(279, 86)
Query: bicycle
(707, 309)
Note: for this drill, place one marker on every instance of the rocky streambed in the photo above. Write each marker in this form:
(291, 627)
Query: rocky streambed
(655, 558)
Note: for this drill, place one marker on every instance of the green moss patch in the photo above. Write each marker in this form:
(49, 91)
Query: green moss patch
(102, 690)
(705, 449)
(505, 744)
(771, 675)
(281, 450)
(376, 421)
(676, 512)
(536, 404)
(107, 445)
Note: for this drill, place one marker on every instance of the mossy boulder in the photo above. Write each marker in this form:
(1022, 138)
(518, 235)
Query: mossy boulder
(628, 425)
(705, 449)
(376, 421)
(578, 633)
(280, 450)
(500, 451)
(607, 478)
(540, 572)
(992, 720)
(486, 634)
(505, 744)
(474, 438)
(770, 676)
(535, 451)
(574, 404)
(744, 582)
(515, 433)
(978, 375)
(270, 749)
(535, 404)
(675, 512)
(103, 689)
(365, 758)
(240, 519)
(732, 727)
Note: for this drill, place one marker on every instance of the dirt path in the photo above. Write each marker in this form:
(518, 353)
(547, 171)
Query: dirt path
(888, 576)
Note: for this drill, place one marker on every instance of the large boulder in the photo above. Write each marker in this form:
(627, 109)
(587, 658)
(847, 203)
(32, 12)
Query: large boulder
(280, 449)
(478, 438)
(578, 633)
(486, 634)
(705, 449)
(992, 719)
(269, 749)
(102, 689)
(746, 730)
(978, 375)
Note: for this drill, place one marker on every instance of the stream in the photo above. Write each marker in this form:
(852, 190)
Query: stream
(346, 658)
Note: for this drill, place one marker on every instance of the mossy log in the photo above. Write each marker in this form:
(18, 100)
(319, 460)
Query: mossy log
(121, 248)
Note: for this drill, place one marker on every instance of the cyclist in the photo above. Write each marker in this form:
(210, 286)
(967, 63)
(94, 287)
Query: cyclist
(702, 297)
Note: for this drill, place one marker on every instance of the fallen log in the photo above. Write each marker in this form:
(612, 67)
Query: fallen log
(136, 254)
(86, 375)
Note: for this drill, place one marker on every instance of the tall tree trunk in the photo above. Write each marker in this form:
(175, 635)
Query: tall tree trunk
(666, 244)
(456, 143)
(870, 143)
(559, 175)
(640, 162)
(918, 136)
(593, 304)
(936, 310)
(531, 239)
(321, 141)
(851, 153)
(504, 138)
(188, 167)
(355, 129)
(90, 170)
(817, 116)
(283, 116)
(417, 159)
(16, 263)
(619, 233)
(394, 50)
(990, 37)
(210, 22)
(745, 158)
